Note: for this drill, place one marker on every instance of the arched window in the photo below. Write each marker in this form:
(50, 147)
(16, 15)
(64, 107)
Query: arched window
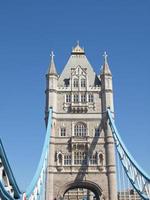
(59, 159)
(80, 130)
(101, 159)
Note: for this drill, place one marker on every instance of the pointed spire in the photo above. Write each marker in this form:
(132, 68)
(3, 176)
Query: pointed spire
(105, 67)
(52, 68)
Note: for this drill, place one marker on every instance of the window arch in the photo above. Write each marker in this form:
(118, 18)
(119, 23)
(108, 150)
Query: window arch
(59, 159)
(80, 130)
(101, 159)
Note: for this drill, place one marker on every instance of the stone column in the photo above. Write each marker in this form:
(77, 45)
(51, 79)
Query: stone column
(111, 164)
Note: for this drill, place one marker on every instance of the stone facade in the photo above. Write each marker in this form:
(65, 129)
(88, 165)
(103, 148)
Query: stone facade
(82, 147)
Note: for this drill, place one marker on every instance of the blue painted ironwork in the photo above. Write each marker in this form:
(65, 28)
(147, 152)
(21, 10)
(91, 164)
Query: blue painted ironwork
(138, 178)
(37, 186)
(4, 194)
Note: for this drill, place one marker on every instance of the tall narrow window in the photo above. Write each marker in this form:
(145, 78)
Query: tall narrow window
(83, 83)
(76, 82)
(63, 131)
(97, 132)
(76, 98)
(80, 130)
(60, 160)
(101, 159)
(67, 159)
(91, 98)
(68, 98)
(80, 158)
(83, 98)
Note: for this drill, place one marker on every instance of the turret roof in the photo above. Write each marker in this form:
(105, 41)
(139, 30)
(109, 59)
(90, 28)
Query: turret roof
(52, 68)
(105, 67)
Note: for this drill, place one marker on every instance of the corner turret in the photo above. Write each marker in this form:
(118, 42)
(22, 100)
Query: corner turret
(51, 87)
(107, 88)
(107, 102)
(105, 67)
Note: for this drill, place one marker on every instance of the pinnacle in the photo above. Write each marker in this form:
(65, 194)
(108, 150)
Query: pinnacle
(77, 49)
(52, 68)
(105, 67)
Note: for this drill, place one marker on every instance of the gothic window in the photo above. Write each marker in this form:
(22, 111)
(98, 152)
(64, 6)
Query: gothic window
(67, 159)
(83, 83)
(80, 130)
(80, 158)
(63, 131)
(76, 98)
(101, 159)
(91, 98)
(83, 98)
(75, 82)
(97, 132)
(68, 98)
(93, 159)
(60, 159)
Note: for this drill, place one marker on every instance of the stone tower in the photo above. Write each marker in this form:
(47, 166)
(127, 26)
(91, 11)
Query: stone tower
(82, 147)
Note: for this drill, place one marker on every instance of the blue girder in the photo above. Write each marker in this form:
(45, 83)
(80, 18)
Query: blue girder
(138, 178)
(3, 193)
(38, 181)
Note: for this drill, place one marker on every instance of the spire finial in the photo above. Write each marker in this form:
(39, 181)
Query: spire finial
(77, 49)
(105, 67)
(105, 57)
(52, 68)
(52, 55)
(78, 43)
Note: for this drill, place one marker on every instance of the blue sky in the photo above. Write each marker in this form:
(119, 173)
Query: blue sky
(29, 30)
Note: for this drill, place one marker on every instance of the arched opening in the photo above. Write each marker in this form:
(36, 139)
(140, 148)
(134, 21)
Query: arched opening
(60, 159)
(101, 159)
(85, 190)
(79, 194)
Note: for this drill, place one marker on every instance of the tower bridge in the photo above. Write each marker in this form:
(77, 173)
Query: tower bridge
(83, 154)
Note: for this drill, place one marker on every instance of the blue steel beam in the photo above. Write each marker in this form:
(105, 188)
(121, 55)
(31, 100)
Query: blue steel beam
(35, 188)
(3, 192)
(138, 178)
